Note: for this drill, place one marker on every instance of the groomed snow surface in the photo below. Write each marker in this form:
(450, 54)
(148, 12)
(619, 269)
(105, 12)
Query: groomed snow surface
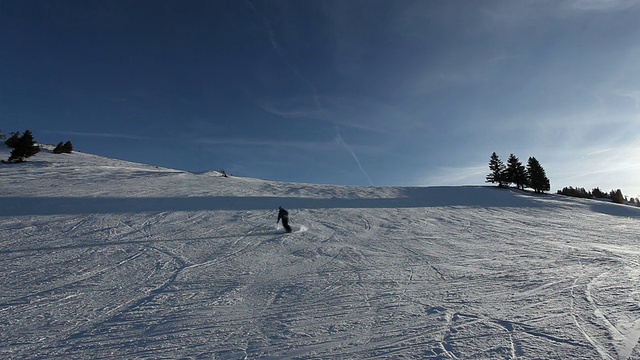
(102, 258)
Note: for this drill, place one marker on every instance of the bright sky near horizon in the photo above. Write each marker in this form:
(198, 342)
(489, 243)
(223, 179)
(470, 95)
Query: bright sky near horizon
(342, 92)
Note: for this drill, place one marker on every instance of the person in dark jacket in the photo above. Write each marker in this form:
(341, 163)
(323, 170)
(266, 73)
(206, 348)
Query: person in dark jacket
(284, 216)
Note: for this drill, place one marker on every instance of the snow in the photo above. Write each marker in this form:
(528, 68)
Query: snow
(103, 258)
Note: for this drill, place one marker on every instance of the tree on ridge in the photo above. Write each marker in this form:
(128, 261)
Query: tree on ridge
(23, 146)
(497, 168)
(516, 172)
(537, 177)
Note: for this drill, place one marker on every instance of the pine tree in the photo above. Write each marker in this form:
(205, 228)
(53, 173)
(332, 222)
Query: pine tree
(516, 172)
(537, 177)
(497, 168)
(13, 140)
(597, 193)
(59, 149)
(23, 147)
(616, 196)
(67, 147)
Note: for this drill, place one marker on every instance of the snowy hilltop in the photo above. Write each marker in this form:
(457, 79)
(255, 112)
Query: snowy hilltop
(103, 258)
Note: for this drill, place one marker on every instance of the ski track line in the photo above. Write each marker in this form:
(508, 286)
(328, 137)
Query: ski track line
(129, 305)
(81, 222)
(444, 343)
(232, 254)
(425, 260)
(183, 267)
(624, 344)
(602, 351)
(88, 275)
(367, 224)
(74, 331)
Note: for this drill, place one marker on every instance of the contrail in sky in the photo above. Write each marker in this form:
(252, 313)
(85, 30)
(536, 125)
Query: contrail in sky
(312, 89)
(348, 148)
(272, 37)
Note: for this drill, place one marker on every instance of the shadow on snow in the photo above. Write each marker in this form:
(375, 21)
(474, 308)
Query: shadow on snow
(414, 197)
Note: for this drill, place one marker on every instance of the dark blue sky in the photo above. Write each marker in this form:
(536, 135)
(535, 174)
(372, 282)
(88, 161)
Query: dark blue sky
(345, 92)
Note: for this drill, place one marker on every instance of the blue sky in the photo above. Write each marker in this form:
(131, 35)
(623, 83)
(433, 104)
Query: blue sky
(343, 92)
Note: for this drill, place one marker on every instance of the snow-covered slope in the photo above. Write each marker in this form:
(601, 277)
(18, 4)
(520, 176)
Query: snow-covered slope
(102, 258)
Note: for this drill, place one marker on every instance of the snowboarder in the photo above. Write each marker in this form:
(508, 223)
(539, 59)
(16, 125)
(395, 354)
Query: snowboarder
(284, 215)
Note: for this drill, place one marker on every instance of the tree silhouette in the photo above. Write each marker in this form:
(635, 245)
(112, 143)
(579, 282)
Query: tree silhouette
(516, 172)
(537, 177)
(497, 168)
(23, 146)
(616, 196)
(59, 148)
(13, 139)
(597, 193)
(67, 147)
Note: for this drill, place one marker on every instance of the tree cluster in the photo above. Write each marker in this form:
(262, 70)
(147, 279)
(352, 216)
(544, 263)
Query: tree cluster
(532, 176)
(22, 146)
(614, 195)
(576, 192)
(66, 148)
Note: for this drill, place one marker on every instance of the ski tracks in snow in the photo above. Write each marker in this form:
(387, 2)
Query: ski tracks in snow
(605, 307)
(448, 282)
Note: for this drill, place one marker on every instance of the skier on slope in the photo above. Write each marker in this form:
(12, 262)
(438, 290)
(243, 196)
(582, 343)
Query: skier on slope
(284, 216)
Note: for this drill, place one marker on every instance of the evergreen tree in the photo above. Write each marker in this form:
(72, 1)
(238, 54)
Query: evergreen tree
(13, 140)
(577, 192)
(616, 196)
(516, 172)
(597, 193)
(67, 147)
(59, 149)
(23, 147)
(537, 177)
(497, 168)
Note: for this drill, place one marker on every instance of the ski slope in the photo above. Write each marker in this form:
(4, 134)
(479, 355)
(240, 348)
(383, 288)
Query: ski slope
(102, 258)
